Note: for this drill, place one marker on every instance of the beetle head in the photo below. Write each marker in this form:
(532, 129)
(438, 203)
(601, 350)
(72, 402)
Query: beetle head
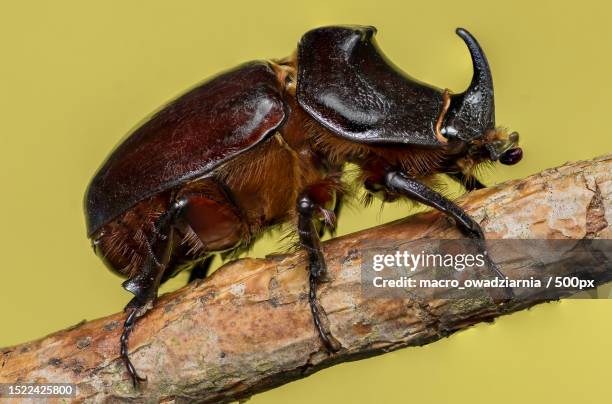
(470, 120)
(496, 145)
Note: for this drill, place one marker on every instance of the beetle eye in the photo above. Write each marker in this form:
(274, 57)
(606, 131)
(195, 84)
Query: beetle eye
(511, 156)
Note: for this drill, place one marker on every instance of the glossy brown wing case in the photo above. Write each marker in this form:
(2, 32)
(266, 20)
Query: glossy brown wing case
(187, 139)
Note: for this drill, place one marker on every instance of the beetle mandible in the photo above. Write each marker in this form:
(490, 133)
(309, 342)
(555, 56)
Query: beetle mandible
(266, 142)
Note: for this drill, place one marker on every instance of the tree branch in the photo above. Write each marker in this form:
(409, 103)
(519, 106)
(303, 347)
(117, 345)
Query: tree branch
(248, 327)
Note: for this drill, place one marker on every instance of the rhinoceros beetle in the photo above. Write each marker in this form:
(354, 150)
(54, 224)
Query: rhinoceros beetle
(266, 142)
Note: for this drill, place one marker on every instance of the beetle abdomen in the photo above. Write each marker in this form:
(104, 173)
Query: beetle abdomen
(209, 223)
(235, 203)
(121, 243)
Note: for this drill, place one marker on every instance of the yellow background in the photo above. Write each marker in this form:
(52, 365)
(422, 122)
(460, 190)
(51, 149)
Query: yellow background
(75, 76)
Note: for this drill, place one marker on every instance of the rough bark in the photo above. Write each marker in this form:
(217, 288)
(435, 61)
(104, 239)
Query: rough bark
(248, 327)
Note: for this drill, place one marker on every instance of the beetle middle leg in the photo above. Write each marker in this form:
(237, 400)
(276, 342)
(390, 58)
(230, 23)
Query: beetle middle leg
(145, 283)
(399, 183)
(307, 208)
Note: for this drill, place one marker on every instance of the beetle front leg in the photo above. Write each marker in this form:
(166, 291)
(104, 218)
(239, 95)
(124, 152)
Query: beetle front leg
(317, 269)
(399, 183)
(145, 283)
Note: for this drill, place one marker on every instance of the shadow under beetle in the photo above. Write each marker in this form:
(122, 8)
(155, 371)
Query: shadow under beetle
(266, 142)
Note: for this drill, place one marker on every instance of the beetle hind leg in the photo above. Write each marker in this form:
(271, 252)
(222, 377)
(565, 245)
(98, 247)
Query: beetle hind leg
(145, 283)
(317, 269)
(134, 313)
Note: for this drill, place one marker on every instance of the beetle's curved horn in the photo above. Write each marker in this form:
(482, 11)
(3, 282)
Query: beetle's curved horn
(472, 112)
